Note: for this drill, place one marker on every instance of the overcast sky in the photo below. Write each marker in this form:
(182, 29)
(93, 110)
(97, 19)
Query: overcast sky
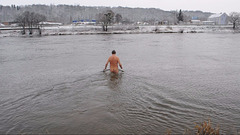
(215, 6)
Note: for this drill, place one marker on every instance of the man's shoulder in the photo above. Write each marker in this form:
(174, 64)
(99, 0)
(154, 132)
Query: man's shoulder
(113, 56)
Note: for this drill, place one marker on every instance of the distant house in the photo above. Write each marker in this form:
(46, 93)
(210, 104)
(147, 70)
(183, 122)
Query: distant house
(219, 19)
(85, 22)
(142, 23)
(163, 23)
(208, 23)
(195, 18)
(50, 23)
(196, 22)
(2, 25)
(8, 23)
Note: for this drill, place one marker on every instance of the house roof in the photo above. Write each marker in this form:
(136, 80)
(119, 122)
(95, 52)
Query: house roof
(216, 15)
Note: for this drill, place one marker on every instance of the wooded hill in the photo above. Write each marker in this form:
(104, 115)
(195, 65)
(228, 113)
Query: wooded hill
(68, 13)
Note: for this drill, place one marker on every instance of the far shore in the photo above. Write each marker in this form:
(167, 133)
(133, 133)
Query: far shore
(118, 29)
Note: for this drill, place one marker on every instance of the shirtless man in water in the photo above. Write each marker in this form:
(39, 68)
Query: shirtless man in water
(114, 61)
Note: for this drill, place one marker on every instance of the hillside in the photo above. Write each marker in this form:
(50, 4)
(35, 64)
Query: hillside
(67, 13)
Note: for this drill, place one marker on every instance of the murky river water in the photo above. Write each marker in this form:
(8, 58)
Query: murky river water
(54, 84)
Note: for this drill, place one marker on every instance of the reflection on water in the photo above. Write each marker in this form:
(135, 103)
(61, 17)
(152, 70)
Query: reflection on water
(114, 80)
(54, 84)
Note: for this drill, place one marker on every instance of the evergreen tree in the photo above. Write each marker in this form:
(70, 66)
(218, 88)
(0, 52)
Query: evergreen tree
(180, 16)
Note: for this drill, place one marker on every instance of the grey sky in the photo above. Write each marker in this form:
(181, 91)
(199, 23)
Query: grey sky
(215, 6)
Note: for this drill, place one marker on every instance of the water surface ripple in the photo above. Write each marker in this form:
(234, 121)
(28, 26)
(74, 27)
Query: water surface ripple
(55, 85)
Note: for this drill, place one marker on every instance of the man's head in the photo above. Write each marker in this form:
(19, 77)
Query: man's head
(113, 52)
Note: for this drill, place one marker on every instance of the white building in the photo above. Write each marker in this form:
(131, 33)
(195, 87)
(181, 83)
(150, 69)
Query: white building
(50, 23)
(196, 22)
(208, 22)
(219, 19)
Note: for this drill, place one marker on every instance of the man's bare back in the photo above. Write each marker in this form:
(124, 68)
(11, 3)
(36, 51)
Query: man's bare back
(114, 61)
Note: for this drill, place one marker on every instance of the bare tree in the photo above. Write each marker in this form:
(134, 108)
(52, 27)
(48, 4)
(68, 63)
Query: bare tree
(234, 18)
(37, 19)
(30, 19)
(30, 22)
(106, 19)
(22, 22)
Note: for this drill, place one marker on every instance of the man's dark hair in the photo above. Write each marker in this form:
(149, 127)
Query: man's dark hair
(113, 52)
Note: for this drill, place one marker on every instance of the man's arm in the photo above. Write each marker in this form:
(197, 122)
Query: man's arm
(119, 63)
(106, 64)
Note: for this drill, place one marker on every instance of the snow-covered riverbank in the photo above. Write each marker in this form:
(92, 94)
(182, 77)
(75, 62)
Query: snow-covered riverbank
(122, 29)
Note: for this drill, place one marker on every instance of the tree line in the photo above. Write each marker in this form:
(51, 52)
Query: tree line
(67, 13)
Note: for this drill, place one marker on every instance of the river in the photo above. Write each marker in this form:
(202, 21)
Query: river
(55, 84)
